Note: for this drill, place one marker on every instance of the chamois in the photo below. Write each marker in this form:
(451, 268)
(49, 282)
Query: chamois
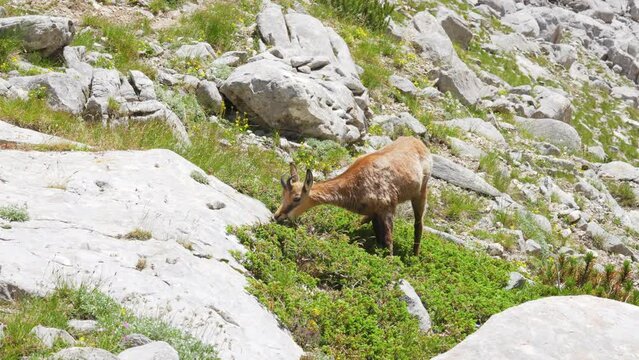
(372, 186)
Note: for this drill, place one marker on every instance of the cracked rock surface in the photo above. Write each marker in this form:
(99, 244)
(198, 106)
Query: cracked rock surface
(81, 206)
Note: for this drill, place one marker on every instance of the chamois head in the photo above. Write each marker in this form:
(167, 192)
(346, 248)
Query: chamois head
(295, 199)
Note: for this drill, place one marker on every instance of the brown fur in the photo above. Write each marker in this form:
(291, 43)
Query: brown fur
(372, 186)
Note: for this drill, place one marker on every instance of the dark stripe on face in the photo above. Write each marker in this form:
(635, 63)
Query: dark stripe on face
(288, 209)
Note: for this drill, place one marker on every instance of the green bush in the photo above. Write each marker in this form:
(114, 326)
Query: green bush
(64, 304)
(14, 213)
(329, 285)
(373, 13)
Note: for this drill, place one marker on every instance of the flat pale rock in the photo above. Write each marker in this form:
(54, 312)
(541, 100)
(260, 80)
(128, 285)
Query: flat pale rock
(156, 350)
(13, 134)
(476, 126)
(619, 170)
(562, 327)
(458, 175)
(82, 203)
(48, 336)
(83, 353)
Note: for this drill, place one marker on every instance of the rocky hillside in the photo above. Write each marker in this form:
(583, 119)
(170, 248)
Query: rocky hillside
(142, 143)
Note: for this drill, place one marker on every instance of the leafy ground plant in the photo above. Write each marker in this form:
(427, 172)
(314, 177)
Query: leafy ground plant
(64, 304)
(14, 213)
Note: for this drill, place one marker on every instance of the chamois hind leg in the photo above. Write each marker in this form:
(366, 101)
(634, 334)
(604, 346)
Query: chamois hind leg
(419, 206)
(388, 231)
(380, 230)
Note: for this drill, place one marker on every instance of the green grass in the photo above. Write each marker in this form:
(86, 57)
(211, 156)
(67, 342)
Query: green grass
(217, 24)
(507, 240)
(517, 220)
(490, 164)
(502, 64)
(138, 234)
(455, 205)
(157, 6)
(64, 304)
(322, 155)
(622, 192)
(121, 41)
(337, 297)
(372, 13)
(14, 213)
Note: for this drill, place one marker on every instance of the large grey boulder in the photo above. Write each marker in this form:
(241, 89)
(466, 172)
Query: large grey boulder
(553, 104)
(306, 85)
(83, 353)
(201, 50)
(523, 22)
(48, 34)
(75, 234)
(105, 86)
(64, 91)
(626, 93)
(142, 85)
(458, 175)
(619, 170)
(208, 96)
(502, 7)
(393, 123)
(555, 328)
(156, 350)
(606, 241)
(455, 27)
(553, 131)
(48, 336)
(276, 97)
(143, 111)
(462, 83)
(476, 126)
(415, 305)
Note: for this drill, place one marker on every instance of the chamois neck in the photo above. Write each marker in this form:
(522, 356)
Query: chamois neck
(328, 192)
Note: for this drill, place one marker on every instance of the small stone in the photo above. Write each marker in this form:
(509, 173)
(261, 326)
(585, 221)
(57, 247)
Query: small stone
(494, 249)
(133, 340)
(565, 233)
(216, 205)
(156, 350)
(403, 85)
(597, 152)
(48, 336)
(574, 216)
(532, 247)
(415, 305)
(548, 149)
(515, 281)
(304, 69)
(565, 250)
(82, 326)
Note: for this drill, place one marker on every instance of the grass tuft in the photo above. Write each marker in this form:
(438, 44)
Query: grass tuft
(14, 213)
(138, 234)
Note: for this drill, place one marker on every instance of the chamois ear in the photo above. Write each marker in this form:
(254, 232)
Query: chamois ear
(284, 182)
(308, 182)
(294, 175)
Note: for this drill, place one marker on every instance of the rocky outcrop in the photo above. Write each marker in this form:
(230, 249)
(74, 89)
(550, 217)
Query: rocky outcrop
(539, 335)
(64, 91)
(476, 126)
(619, 170)
(553, 131)
(458, 175)
(43, 33)
(307, 85)
(17, 135)
(431, 40)
(76, 234)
